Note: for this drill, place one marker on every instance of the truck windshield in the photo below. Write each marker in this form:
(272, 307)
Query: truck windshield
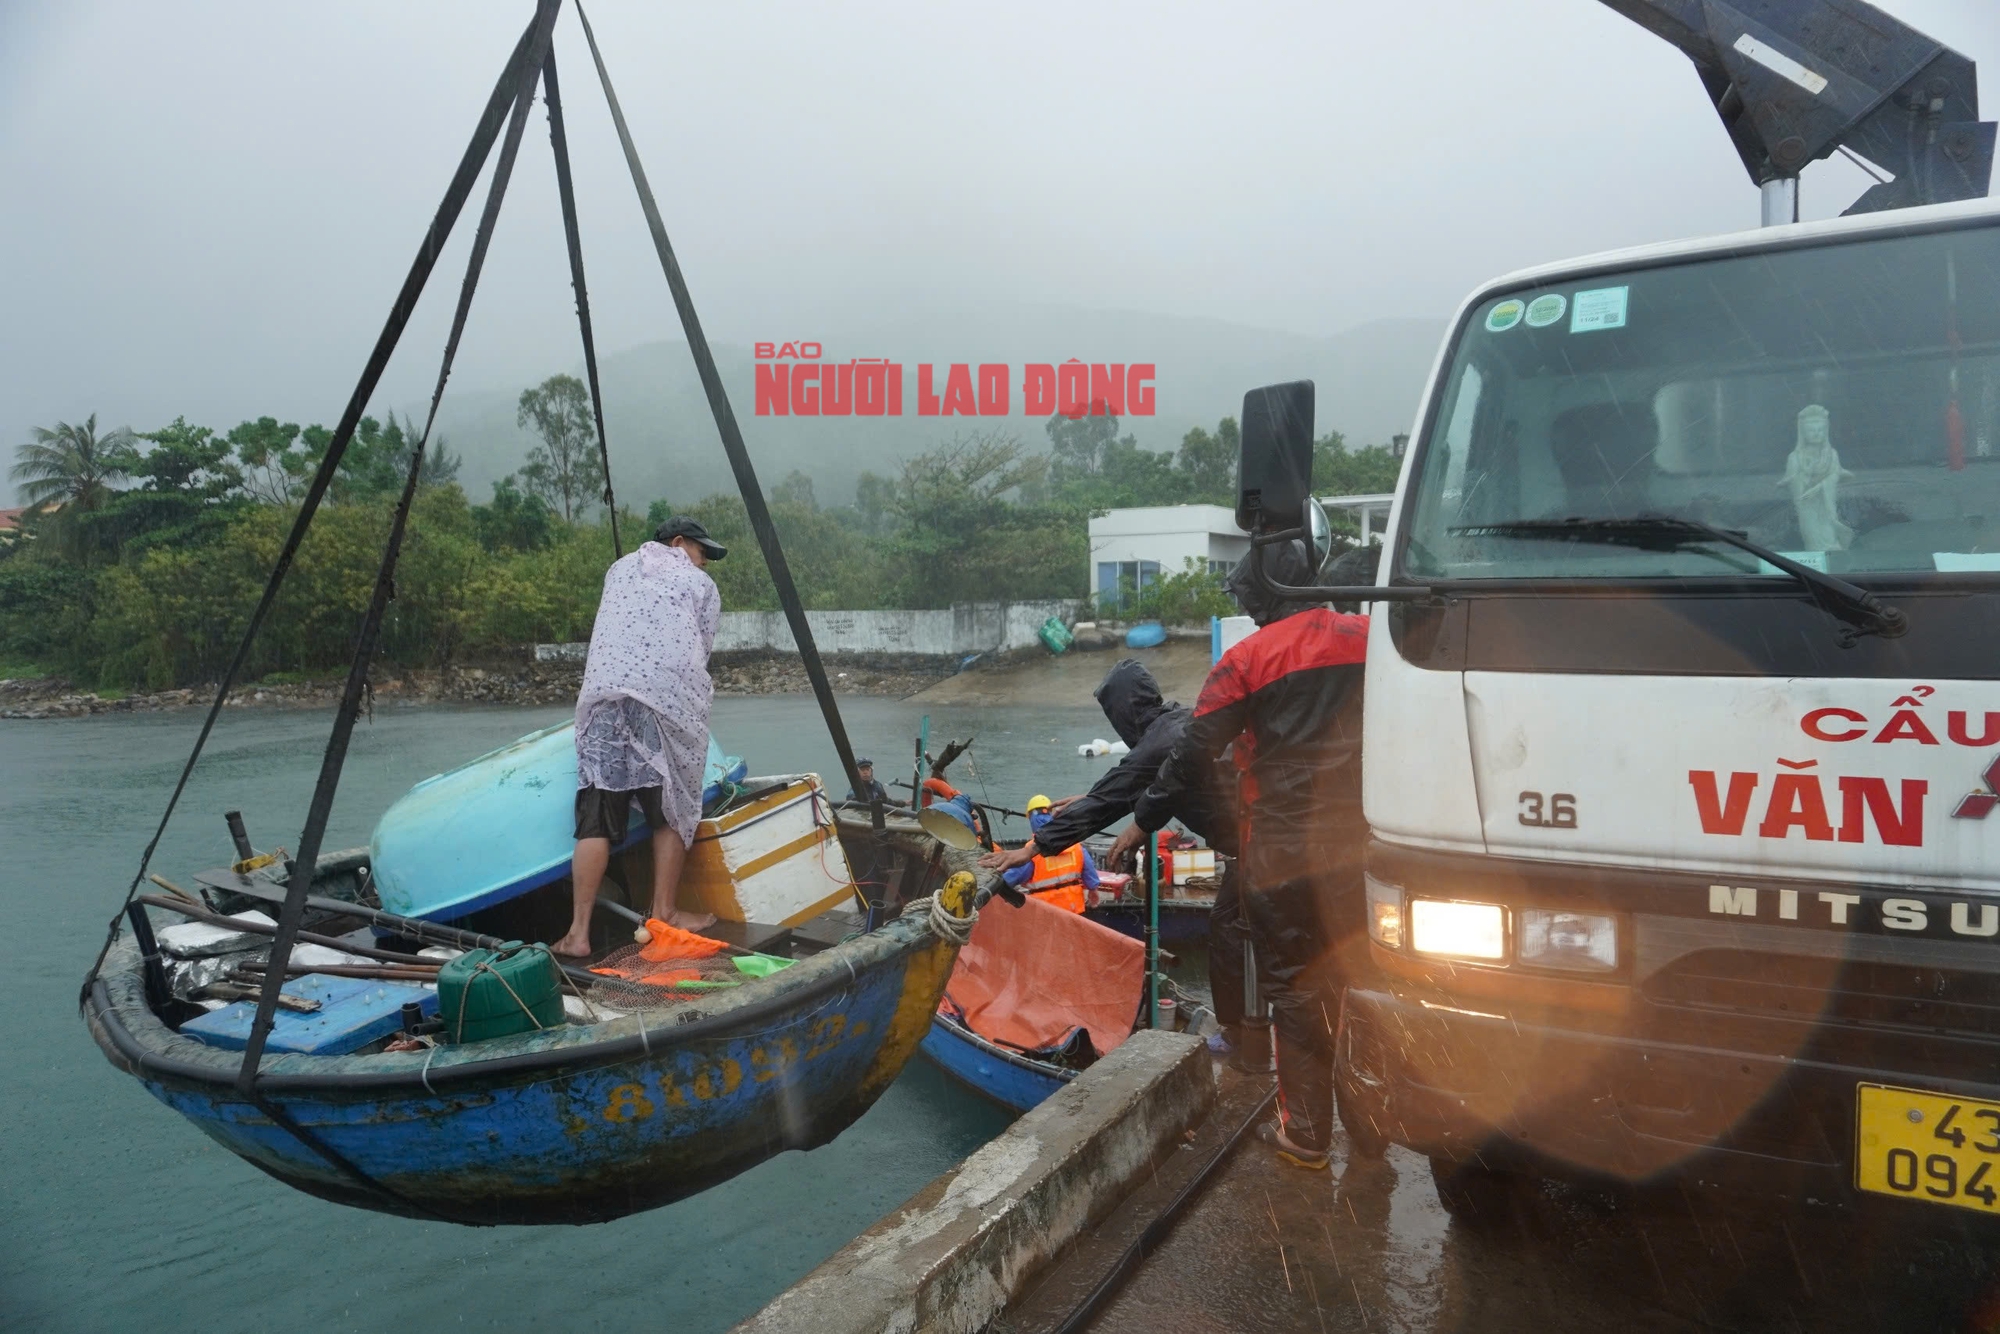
(1839, 404)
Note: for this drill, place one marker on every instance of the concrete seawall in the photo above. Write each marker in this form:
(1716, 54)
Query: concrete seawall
(966, 628)
(951, 1258)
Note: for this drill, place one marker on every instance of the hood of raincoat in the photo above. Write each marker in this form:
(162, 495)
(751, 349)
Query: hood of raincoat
(1286, 563)
(1130, 698)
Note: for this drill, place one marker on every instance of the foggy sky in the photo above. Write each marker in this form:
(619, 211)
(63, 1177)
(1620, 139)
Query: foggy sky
(206, 208)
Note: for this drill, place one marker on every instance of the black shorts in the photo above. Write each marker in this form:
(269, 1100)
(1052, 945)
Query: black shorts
(601, 814)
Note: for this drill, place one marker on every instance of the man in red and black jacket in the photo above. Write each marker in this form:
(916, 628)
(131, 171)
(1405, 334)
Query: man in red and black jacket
(1289, 699)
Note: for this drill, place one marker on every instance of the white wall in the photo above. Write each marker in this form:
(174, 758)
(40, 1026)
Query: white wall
(1168, 535)
(968, 627)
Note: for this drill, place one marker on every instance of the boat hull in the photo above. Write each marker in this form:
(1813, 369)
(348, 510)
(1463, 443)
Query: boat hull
(576, 1125)
(1005, 1077)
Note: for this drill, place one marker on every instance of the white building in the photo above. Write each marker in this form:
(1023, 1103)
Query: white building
(1370, 512)
(1131, 548)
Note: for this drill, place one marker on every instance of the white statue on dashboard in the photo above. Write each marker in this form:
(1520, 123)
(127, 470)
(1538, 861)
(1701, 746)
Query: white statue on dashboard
(1812, 475)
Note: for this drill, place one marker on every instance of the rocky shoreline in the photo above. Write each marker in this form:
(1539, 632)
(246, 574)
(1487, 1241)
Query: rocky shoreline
(518, 681)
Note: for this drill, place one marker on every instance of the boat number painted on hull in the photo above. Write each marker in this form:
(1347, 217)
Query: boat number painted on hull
(628, 1103)
(718, 1078)
(1558, 812)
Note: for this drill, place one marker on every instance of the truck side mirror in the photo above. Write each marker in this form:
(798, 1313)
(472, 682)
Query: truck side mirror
(1274, 463)
(1319, 535)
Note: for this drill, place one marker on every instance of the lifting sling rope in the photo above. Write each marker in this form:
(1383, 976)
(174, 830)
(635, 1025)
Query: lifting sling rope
(559, 143)
(512, 97)
(732, 435)
(502, 100)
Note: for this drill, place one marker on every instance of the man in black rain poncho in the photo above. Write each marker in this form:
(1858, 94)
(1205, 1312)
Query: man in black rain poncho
(1152, 726)
(1289, 699)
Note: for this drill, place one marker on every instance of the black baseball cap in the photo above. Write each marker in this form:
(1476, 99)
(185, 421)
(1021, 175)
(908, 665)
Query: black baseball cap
(682, 526)
(864, 763)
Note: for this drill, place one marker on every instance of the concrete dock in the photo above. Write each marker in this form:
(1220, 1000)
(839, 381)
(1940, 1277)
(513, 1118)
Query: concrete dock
(952, 1257)
(1034, 1234)
(1268, 1249)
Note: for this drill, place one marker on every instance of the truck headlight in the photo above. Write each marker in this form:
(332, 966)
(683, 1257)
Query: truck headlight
(1385, 913)
(1458, 930)
(1584, 942)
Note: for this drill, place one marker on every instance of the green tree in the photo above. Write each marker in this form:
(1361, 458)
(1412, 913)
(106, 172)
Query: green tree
(45, 608)
(377, 458)
(1208, 462)
(796, 489)
(1129, 475)
(190, 461)
(874, 503)
(514, 521)
(1340, 471)
(73, 466)
(564, 469)
(1189, 596)
(1077, 444)
(273, 462)
(959, 539)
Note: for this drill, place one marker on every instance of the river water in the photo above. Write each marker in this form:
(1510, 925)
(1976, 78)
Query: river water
(119, 1215)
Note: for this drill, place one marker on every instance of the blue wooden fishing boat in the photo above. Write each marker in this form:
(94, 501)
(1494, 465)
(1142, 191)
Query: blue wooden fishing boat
(581, 1122)
(1183, 920)
(575, 1108)
(488, 831)
(1007, 1077)
(1038, 995)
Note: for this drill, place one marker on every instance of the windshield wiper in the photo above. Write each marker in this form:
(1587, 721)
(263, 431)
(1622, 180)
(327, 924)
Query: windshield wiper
(1858, 608)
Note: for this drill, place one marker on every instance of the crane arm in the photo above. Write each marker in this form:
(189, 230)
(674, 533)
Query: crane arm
(1795, 80)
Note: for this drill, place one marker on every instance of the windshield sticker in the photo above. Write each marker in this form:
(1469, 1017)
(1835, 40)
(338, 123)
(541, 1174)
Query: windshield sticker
(1504, 316)
(1546, 309)
(1600, 308)
(1812, 560)
(1951, 562)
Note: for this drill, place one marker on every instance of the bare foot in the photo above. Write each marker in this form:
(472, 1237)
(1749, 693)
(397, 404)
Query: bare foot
(691, 921)
(572, 946)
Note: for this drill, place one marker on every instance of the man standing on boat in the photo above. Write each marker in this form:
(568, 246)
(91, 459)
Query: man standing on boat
(642, 717)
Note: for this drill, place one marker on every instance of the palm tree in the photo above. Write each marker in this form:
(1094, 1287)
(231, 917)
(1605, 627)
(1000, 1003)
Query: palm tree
(72, 466)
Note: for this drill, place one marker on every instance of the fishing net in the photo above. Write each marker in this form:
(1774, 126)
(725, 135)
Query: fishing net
(675, 967)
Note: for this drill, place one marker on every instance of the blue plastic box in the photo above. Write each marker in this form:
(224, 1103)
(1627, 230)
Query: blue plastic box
(353, 1012)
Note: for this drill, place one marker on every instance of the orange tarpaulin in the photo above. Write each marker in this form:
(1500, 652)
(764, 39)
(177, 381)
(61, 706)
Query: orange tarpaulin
(1031, 975)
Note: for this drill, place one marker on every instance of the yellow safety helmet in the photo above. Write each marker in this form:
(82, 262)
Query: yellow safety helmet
(1038, 802)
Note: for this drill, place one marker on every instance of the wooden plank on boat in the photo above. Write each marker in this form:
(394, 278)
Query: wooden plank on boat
(776, 858)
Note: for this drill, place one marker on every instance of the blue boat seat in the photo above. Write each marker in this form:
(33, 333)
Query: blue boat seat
(353, 1012)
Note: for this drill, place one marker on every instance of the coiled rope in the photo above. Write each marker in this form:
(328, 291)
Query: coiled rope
(944, 924)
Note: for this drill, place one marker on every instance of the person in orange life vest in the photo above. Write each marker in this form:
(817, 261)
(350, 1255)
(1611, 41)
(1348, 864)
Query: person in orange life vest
(1064, 879)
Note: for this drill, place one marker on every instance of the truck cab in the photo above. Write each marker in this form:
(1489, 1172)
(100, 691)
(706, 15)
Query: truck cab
(1683, 781)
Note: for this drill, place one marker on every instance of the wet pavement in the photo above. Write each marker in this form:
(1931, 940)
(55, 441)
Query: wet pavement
(1268, 1247)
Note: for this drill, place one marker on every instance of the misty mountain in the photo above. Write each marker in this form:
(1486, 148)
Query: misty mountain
(664, 443)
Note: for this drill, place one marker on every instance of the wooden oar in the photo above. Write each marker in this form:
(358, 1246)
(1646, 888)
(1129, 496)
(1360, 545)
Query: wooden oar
(259, 929)
(413, 927)
(346, 970)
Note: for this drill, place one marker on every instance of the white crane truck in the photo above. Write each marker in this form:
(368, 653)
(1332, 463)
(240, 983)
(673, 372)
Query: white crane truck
(1682, 728)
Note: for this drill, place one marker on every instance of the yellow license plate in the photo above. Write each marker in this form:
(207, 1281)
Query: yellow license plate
(1926, 1146)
